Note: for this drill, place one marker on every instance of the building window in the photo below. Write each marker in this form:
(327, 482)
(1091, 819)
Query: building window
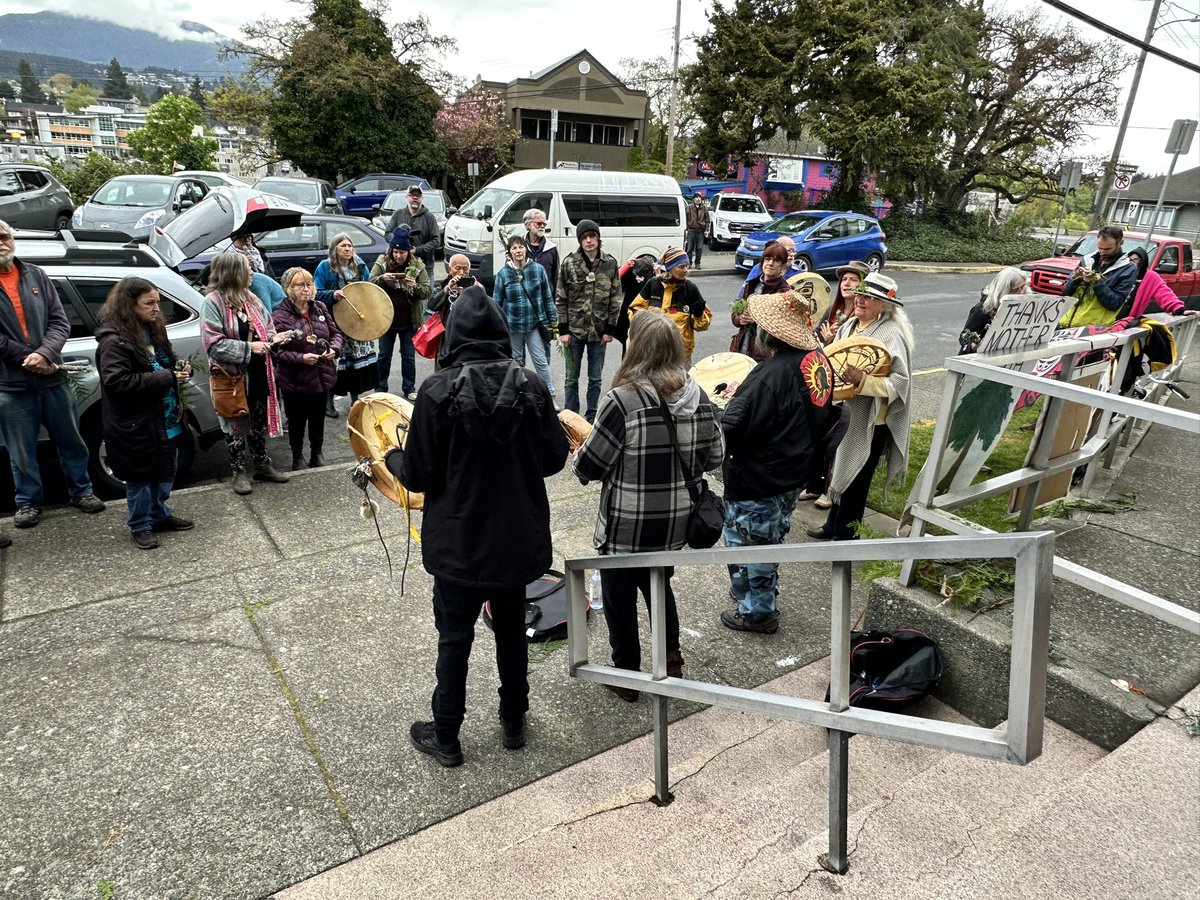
(613, 135)
(535, 128)
(1165, 216)
(106, 123)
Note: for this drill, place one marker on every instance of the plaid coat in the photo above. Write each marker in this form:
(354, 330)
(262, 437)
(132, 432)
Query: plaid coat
(644, 500)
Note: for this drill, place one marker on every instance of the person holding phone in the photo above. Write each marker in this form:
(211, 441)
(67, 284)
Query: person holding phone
(404, 278)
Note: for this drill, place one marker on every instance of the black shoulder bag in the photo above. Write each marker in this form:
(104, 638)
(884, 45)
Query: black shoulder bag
(707, 517)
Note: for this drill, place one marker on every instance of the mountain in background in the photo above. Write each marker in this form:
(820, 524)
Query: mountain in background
(93, 41)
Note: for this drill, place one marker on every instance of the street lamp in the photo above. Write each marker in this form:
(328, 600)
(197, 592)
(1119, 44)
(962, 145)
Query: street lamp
(1111, 169)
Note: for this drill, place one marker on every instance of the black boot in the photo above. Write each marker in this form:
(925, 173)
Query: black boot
(297, 461)
(316, 460)
(330, 409)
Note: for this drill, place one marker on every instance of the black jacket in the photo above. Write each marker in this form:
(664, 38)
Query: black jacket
(773, 423)
(135, 428)
(426, 236)
(483, 438)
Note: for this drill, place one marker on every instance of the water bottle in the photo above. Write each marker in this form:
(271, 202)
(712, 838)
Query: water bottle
(596, 593)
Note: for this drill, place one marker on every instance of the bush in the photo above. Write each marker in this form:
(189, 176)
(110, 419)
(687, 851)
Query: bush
(83, 178)
(951, 236)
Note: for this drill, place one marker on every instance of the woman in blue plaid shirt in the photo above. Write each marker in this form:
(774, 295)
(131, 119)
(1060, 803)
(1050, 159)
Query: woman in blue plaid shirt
(644, 499)
(522, 291)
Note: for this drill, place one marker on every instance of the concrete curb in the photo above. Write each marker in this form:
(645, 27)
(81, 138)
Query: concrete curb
(944, 268)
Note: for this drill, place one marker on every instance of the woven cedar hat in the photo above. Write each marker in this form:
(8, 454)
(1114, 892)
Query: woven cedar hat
(787, 316)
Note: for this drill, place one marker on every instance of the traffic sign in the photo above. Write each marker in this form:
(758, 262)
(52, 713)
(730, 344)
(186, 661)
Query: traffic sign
(1121, 182)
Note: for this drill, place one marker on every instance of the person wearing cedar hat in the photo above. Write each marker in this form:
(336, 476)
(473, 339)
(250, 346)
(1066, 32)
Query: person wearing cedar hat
(772, 428)
(679, 299)
(879, 414)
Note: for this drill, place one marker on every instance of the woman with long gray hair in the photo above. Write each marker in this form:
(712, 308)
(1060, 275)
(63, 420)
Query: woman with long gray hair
(644, 499)
(1008, 281)
(880, 415)
(238, 335)
(358, 362)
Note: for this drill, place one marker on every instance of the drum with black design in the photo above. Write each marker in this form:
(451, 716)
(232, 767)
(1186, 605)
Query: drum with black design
(864, 353)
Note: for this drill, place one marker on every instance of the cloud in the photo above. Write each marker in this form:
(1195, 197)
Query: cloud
(162, 17)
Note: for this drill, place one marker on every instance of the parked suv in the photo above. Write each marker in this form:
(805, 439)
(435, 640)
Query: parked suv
(436, 201)
(84, 266)
(825, 239)
(314, 194)
(30, 197)
(363, 195)
(733, 216)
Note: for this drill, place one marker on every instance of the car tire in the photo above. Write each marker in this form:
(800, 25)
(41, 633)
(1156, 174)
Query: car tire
(108, 486)
(62, 222)
(803, 263)
(874, 262)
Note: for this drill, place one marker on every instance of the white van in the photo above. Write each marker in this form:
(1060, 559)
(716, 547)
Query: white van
(637, 213)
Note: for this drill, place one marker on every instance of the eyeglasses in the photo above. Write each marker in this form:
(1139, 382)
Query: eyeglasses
(4, 236)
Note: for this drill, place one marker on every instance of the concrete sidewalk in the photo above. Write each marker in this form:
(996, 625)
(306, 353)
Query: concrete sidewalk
(227, 716)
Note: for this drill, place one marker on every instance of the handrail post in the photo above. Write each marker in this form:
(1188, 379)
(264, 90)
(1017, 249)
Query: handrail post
(1030, 649)
(658, 668)
(839, 701)
(1041, 456)
(577, 634)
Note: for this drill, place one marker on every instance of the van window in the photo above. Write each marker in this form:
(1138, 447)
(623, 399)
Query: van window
(515, 214)
(493, 197)
(627, 211)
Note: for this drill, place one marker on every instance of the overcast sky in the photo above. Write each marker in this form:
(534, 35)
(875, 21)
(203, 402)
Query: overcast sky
(503, 41)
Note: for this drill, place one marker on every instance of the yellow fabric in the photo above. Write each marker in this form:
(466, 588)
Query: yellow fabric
(687, 324)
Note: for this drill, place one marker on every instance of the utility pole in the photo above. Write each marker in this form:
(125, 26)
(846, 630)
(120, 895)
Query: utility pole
(1111, 169)
(675, 92)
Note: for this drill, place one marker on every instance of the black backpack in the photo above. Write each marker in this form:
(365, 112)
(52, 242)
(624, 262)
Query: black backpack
(892, 670)
(545, 608)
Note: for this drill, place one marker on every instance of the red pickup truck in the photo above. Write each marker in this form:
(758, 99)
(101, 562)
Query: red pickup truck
(1171, 257)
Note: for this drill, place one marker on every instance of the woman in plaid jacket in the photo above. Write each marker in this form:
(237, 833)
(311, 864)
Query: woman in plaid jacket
(644, 498)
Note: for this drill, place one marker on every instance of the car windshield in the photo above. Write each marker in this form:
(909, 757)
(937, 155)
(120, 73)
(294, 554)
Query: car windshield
(793, 224)
(392, 202)
(303, 192)
(742, 205)
(1086, 246)
(149, 194)
(493, 197)
(434, 203)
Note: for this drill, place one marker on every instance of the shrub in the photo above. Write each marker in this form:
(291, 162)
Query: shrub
(952, 236)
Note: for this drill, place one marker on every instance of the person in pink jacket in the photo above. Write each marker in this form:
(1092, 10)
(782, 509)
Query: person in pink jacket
(1152, 287)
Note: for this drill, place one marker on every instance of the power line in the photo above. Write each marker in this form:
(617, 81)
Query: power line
(1121, 35)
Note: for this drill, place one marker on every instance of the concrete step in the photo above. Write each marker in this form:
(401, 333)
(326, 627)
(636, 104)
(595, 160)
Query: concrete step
(749, 793)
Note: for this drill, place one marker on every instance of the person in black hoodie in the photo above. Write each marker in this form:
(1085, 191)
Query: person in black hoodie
(771, 427)
(483, 437)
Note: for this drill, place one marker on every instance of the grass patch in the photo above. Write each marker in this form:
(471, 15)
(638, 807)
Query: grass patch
(1008, 456)
(108, 890)
(540, 652)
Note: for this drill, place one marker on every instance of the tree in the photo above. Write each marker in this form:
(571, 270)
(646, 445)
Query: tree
(1015, 113)
(654, 77)
(59, 84)
(139, 94)
(115, 84)
(167, 137)
(475, 128)
(196, 93)
(31, 89)
(80, 96)
(870, 79)
(6, 90)
(342, 101)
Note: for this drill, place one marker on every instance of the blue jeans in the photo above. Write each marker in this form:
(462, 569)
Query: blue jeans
(595, 354)
(408, 359)
(147, 503)
(538, 354)
(752, 523)
(695, 246)
(22, 414)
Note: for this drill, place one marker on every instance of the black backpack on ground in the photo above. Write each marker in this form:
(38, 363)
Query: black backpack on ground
(545, 608)
(892, 670)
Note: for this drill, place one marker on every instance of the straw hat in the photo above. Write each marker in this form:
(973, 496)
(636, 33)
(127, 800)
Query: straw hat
(786, 316)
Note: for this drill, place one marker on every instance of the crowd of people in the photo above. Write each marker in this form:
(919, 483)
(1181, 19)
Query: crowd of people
(484, 419)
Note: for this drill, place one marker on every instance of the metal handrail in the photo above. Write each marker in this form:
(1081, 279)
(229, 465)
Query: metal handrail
(1019, 743)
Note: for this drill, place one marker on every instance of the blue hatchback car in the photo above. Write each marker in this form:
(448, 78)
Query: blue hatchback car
(825, 239)
(362, 196)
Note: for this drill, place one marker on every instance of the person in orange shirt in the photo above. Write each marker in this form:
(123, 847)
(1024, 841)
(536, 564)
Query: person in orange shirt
(33, 329)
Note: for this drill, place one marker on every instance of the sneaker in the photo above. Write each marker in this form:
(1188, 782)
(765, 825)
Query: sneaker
(27, 516)
(823, 502)
(88, 503)
(734, 619)
(5, 541)
(806, 495)
(819, 532)
(145, 540)
(424, 737)
(629, 695)
(173, 523)
(514, 733)
(411, 395)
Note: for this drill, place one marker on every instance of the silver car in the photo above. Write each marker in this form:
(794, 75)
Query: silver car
(30, 197)
(135, 204)
(84, 271)
(436, 201)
